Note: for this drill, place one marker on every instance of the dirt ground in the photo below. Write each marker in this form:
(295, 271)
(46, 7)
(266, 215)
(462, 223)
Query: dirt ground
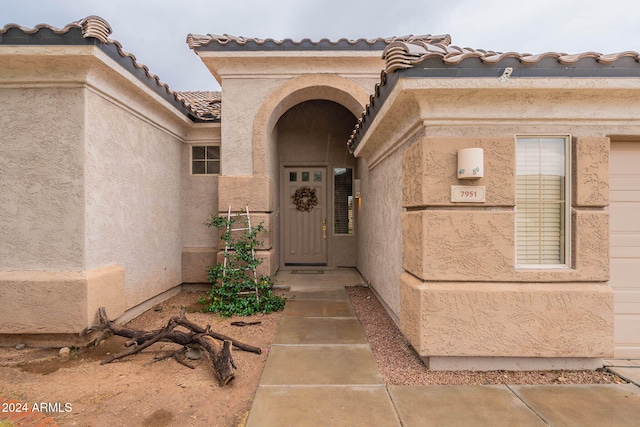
(136, 391)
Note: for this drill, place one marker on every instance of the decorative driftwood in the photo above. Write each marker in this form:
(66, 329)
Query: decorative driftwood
(245, 323)
(198, 337)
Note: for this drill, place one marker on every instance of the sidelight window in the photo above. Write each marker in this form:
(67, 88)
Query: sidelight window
(343, 201)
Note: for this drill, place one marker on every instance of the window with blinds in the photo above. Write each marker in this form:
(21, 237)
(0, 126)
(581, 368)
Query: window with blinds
(542, 201)
(343, 201)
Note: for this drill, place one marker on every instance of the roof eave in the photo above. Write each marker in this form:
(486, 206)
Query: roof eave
(94, 31)
(624, 65)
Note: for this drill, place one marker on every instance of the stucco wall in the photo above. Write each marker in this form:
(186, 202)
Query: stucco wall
(242, 99)
(472, 298)
(133, 208)
(199, 203)
(507, 320)
(41, 179)
(461, 293)
(379, 231)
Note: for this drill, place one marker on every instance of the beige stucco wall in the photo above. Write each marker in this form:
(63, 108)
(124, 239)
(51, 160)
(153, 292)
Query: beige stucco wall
(58, 302)
(199, 203)
(93, 182)
(461, 294)
(462, 265)
(133, 191)
(541, 320)
(259, 87)
(42, 184)
(379, 233)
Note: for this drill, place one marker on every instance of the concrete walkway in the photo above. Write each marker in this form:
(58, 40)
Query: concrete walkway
(321, 372)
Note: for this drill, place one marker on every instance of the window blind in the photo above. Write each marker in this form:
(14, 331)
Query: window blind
(343, 201)
(541, 204)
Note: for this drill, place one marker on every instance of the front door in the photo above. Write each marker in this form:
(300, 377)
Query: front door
(305, 216)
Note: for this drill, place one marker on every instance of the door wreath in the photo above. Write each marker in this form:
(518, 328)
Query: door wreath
(305, 199)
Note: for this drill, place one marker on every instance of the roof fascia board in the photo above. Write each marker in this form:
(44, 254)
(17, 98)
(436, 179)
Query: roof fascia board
(546, 68)
(376, 103)
(126, 62)
(142, 85)
(264, 65)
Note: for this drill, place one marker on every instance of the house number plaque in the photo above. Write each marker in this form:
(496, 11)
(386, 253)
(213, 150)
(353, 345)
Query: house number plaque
(467, 194)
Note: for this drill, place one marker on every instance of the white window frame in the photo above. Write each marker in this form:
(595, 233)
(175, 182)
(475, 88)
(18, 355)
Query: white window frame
(191, 159)
(567, 231)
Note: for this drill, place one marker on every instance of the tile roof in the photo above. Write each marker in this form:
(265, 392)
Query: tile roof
(95, 27)
(433, 59)
(406, 54)
(91, 26)
(208, 105)
(228, 42)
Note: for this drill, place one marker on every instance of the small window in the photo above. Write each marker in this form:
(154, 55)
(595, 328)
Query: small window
(205, 160)
(343, 201)
(543, 210)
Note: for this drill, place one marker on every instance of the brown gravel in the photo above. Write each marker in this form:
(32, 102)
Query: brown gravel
(401, 365)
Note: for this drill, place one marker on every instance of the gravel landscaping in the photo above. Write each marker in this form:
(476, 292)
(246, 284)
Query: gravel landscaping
(401, 365)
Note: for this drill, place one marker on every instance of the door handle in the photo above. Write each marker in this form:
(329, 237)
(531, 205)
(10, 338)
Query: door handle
(324, 228)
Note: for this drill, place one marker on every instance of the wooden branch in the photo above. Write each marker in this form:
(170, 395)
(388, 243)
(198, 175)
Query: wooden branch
(242, 346)
(180, 359)
(138, 348)
(221, 358)
(178, 355)
(220, 355)
(178, 337)
(245, 323)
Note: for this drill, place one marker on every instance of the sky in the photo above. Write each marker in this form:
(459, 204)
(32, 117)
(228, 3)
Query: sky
(155, 31)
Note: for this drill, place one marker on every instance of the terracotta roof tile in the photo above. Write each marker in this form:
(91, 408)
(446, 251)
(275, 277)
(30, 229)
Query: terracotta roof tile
(208, 105)
(91, 26)
(401, 54)
(99, 29)
(196, 41)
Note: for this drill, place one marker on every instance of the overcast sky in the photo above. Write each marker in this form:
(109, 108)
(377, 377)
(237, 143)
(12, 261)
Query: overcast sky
(155, 30)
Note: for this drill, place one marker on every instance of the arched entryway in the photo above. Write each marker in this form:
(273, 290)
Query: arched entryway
(317, 227)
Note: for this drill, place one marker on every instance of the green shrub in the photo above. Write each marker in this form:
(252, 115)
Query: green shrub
(235, 290)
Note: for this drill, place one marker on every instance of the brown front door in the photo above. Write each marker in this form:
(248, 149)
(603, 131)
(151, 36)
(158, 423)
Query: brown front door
(305, 223)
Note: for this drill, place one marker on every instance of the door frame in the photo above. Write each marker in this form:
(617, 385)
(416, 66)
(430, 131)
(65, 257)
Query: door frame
(283, 201)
